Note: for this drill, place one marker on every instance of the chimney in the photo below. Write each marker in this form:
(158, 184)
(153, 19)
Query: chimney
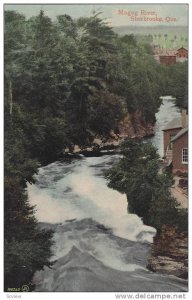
(183, 118)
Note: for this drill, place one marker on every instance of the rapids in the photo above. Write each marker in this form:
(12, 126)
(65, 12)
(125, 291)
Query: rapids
(98, 246)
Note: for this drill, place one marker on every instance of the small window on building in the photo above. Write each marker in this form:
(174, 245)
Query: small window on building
(185, 155)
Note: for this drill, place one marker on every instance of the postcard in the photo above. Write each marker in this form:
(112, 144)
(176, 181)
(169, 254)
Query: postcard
(96, 148)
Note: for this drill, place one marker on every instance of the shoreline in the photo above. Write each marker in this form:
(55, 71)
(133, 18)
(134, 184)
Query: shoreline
(103, 145)
(169, 253)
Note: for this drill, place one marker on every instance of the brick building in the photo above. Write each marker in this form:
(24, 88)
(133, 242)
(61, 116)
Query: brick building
(182, 55)
(175, 137)
(182, 52)
(167, 57)
(180, 152)
(167, 60)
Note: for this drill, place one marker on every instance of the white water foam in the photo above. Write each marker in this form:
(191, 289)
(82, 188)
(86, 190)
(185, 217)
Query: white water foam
(97, 244)
(76, 191)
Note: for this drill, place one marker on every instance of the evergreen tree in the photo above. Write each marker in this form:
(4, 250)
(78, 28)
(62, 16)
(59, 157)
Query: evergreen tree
(63, 79)
(148, 192)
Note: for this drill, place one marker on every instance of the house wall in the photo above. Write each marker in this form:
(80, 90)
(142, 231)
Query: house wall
(166, 137)
(182, 53)
(181, 59)
(178, 145)
(167, 60)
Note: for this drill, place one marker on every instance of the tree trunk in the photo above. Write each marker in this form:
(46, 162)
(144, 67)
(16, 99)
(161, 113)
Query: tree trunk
(10, 95)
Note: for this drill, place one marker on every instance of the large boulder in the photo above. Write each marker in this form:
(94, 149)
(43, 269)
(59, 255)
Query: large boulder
(97, 141)
(76, 149)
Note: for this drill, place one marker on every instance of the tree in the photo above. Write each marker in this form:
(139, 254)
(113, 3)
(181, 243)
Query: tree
(136, 175)
(178, 83)
(14, 45)
(67, 26)
(105, 111)
(131, 40)
(27, 248)
(145, 93)
(165, 37)
(90, 90)
(62, 79)
(148, 192)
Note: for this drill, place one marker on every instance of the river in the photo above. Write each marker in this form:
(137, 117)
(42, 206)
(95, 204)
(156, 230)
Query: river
(98, 245)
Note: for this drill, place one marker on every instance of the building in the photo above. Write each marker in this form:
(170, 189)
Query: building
(175, 137)
(167, 60)
(180, 152)
(166, 56)
(182, 54)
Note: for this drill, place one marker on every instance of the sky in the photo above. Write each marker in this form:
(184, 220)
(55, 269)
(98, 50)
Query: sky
(115, 14)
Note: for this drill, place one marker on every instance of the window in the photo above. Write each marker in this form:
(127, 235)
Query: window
(185, 155)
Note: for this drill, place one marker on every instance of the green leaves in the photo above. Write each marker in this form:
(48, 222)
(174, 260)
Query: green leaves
(70, 68)
(178, 83)
(148, 192)
(64, 79)
(24, 256)
(104, 111)
(26, 247)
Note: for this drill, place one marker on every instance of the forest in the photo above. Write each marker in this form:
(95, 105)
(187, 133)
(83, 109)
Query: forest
(64, 79)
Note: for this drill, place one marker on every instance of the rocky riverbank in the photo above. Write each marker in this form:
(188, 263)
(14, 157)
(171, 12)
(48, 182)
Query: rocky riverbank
(88, 257)
(132, 126)
(170, 253)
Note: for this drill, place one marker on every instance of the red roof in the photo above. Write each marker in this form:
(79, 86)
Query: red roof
(182, 48)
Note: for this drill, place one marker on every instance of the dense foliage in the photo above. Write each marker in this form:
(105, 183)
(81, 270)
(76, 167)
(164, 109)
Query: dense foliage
(148, 191)
(177, 83)
(60, 75)
(27, 249)
(63, 80)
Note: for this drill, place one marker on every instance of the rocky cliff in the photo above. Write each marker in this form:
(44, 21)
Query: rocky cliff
(132, 126)
(170, 252)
